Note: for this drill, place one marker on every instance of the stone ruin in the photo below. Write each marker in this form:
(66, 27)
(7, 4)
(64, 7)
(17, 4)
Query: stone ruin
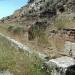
(62, 66)
(69, 34)
(5, 73)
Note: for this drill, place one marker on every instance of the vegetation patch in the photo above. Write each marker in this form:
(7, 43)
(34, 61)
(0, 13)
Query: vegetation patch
(17, 62)
(16, 29)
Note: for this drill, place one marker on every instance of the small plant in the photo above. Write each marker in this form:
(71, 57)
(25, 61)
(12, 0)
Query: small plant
(43, 39)
(16, 30)
(59, 23)
(10, 28)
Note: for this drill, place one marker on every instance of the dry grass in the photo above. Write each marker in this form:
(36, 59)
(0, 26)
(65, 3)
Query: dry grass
(17, 62)
(64, 22)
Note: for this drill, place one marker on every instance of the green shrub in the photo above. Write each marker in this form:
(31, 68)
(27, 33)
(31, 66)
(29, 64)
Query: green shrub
(39, 33)
(43, 39)
(59, 23)
(16, 30)
(10, 28)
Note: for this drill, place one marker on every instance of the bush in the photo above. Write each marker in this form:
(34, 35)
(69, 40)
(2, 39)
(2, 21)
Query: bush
(59, 23)
(39, 33)
(16, 30)
(43, 39)
(10, 28)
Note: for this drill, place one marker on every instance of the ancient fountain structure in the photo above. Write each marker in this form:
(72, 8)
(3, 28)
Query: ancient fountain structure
(65, 65)
(62, 66)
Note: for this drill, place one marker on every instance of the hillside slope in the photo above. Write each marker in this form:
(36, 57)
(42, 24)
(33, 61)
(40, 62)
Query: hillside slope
(41, 8)
(39, 24)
